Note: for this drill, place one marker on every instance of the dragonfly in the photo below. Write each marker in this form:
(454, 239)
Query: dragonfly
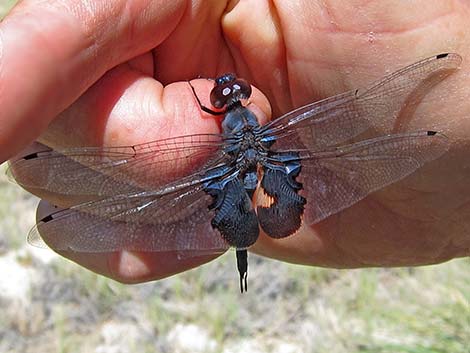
(205, 193)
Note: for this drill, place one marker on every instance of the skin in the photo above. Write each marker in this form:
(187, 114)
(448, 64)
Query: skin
(113, 72)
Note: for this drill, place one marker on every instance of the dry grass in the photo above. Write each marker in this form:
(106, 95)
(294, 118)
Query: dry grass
(5, 6)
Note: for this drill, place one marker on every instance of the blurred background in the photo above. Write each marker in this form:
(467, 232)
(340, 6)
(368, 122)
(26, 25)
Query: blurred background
(49, 304)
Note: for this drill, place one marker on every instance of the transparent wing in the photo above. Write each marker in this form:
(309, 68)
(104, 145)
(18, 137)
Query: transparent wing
(340, 118)
(175, 218)
(341, 176)
(105, 172)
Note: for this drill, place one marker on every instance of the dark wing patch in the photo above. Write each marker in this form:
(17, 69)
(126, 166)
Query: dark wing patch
(234, 216)
(279, 207)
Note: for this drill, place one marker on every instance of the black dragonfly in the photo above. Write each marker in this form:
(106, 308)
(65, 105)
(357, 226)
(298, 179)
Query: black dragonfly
(301, 167)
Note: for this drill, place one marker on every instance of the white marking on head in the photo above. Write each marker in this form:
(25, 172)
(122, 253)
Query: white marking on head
(236, 87)
(226, 91)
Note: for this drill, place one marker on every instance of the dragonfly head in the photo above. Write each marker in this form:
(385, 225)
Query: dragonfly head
(228, 90)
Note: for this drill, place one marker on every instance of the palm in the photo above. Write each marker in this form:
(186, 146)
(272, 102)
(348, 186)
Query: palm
(309, 56)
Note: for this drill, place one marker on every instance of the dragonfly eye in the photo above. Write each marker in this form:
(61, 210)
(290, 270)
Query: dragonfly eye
(228, 90)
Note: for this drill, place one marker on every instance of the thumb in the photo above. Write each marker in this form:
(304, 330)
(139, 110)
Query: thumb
(52, 51)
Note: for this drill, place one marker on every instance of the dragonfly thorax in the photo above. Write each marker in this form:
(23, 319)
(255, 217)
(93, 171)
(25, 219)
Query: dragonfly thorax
(239, 119)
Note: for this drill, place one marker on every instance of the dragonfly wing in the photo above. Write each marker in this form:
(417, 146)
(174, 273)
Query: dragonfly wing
(104, 172)
(340, 118)
(172, 219)
(337, 178)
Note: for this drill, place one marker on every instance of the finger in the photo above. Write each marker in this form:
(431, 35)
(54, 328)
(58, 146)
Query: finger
(124, 108)
(342, 49)
(126, 266)
(128, 107)
(52, 51)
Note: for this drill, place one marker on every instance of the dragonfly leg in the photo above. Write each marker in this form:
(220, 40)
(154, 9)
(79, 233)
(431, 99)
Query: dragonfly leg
(203, 107)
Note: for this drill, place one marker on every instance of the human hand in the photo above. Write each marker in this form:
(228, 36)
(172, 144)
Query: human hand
(109, 69)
